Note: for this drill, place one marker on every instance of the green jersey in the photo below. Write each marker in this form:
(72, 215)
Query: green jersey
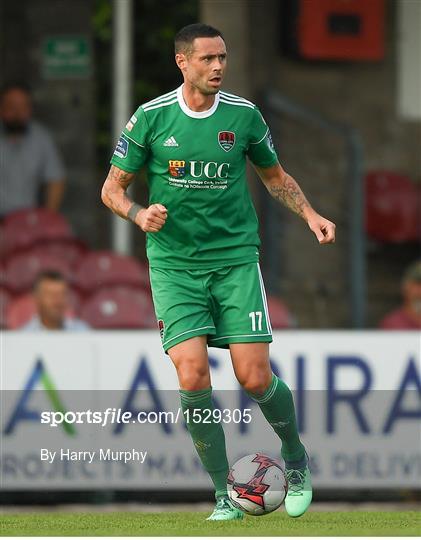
(196, 168)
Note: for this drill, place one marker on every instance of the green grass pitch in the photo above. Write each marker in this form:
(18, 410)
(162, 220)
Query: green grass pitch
(356, 523)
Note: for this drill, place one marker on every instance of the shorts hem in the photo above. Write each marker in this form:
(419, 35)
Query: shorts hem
(223, 343)
(184, 336)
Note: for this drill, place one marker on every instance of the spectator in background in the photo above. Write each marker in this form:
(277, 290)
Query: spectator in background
(408, 316)
(28, 155)
(51, 293)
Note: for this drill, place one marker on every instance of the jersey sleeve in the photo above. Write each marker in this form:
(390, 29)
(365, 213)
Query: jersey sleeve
(260, 150)
(132, 148)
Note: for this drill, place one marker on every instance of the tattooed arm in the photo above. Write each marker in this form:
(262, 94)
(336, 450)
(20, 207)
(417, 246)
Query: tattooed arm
(114, 196)
(285, 189)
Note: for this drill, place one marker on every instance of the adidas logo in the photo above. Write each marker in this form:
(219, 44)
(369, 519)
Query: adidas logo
(171, 142)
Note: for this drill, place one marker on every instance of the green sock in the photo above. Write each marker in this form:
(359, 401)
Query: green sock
(277, 406)
(209, 438)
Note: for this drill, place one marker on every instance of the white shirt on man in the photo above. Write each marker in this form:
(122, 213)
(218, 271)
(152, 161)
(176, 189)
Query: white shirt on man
(69, 324)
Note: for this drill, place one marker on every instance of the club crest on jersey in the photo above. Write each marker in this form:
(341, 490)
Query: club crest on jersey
(177, 168)
(226, 140)
(161, 327)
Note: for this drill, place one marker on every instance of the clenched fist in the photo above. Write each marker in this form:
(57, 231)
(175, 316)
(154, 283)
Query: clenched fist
(151, 219)
(323, 229)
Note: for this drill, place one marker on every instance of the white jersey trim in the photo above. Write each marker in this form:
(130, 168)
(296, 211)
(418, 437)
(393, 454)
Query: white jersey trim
(265, 135)
(238, 336)
(159, 105)
(164, 97)
(196, 114)
(187, 332)
(265, 302)
(130, 139)
(236, 103)
(236, 98)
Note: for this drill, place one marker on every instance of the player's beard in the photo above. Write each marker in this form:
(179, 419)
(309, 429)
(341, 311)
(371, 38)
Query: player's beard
(208, 90)
(211, 91)
(205, 89)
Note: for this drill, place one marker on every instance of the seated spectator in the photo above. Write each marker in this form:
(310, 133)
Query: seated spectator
(51, 299)
(408, 316)
(29, 157)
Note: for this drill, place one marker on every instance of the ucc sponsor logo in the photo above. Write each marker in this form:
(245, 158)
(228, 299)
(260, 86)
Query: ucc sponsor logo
(198, 169)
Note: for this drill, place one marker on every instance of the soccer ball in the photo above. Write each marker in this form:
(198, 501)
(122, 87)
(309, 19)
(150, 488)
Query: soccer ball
(257, 484)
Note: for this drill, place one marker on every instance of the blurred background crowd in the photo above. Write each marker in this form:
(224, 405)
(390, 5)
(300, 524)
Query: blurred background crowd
(338, 82)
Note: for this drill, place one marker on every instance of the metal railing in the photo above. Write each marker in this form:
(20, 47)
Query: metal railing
(276, 105)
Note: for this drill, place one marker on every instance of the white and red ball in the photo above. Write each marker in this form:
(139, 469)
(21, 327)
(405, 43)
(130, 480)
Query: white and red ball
(257, 484)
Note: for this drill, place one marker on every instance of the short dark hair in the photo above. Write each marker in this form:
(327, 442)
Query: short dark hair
(51, 275)
(15, 85)
(183, 41)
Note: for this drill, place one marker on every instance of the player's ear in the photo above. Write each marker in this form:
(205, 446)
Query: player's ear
(181, 60)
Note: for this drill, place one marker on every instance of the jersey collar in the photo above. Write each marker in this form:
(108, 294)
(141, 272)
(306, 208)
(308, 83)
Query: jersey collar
(195, 114)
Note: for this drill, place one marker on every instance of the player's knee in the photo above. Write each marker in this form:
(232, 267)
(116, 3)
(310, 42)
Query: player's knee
(193, 377)
(194, 381)
(256, 383)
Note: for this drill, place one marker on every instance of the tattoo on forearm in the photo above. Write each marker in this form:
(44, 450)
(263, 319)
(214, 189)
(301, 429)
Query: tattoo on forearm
(121, 177)
(114, 191)
(289, 193)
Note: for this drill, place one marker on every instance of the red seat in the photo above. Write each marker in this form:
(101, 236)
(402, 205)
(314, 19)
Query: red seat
(279, 315)
(3, 245)
(5, 299)
(119, 307)
(71, 250)
(75, 303)
(21, 309)
(392, 209)
(24, 228)
(23, 268)
(105, 268)
(2, 275)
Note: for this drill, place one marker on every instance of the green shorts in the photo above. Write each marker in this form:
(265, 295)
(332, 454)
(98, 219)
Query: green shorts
(226, 304)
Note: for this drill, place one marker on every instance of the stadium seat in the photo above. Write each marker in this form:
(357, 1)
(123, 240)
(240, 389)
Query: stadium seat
(20, 311)
(2, 275)
(119, 307)
(22, 269)
(5, 298)
(104, 268)
(3, 245)
(22, 308)
(75, 302)
(25, 228)
(71, 250)
(279, 315)
(392, 209)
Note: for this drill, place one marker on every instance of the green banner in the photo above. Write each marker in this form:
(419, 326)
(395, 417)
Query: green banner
(66, 57)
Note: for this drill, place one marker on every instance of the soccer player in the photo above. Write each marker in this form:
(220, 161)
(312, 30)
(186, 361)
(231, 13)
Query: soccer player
(202, 246)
